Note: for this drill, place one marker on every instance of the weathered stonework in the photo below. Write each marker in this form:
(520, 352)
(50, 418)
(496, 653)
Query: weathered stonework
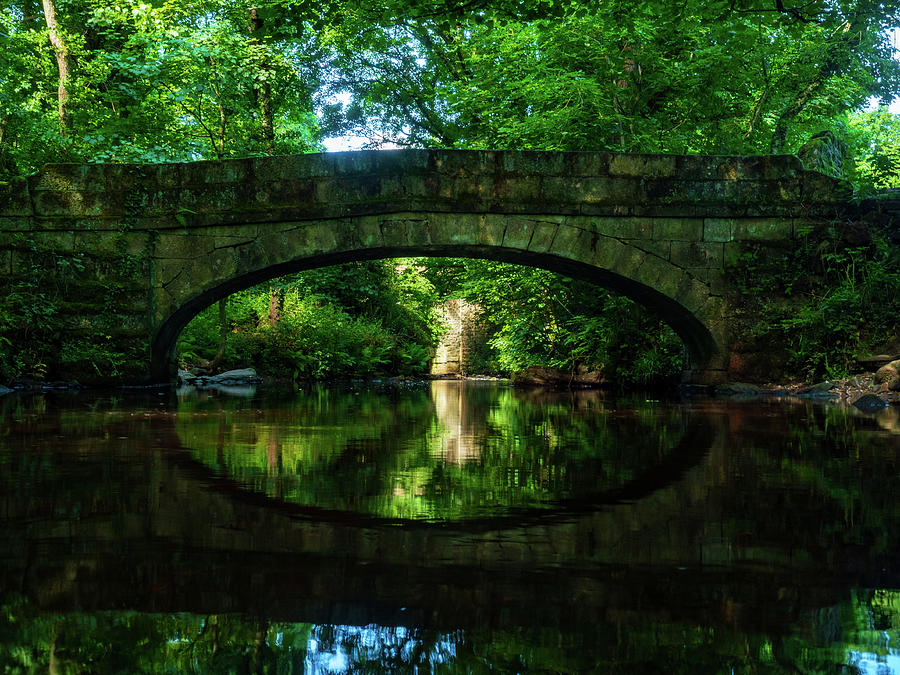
(657, 228)
(464, 339)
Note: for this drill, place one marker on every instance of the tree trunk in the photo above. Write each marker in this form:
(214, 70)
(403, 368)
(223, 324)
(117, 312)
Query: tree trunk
(259, 646)
(63, 64)
(4, 145)
(276, 305)
(223, 335)
(53, 667)
(264, 91)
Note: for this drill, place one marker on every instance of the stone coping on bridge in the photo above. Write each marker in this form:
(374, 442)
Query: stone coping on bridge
(367, 182)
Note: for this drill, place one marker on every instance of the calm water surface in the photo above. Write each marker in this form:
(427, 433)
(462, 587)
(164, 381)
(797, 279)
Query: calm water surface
(446, 527)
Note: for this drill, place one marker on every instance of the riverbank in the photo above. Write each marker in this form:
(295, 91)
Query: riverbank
(872, 390)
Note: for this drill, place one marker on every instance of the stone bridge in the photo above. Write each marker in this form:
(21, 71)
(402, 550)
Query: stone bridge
(130, 253)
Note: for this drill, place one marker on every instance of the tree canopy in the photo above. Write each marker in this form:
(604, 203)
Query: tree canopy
(175, 80)
(182, 80)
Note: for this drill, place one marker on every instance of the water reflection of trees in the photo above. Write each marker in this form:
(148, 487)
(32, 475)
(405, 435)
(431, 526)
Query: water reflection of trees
(854, 636)
(435, 452)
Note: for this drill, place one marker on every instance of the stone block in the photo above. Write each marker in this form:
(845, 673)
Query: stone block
(518, 232)
(404, 162)
(293, 167)
(603, 252)
(593, 190)
(572, 243)
(285, 192)
(763, 229)
(601, 210)
(533, 163)
(76, 204)
(463, 162)
(397, 190)
(224, 242)
(223, 263)
(517, 189)
(61, 241)
(360, 162)
(396, 231)
(69, 177)
(701, 274)
(698, 254)
(587, 163)
(736, 168)
(305, 241)
(542, 237)
(718, 229)
(779, 167)
(818, 188)
(629, 262)
(731, 255)
(348, 190)
(491, 229)
(111, 244)
(643, 165)
(368, 231)
(142, 177)
(475, 193)
(678, 229)
(381, 162)
(660, 249)
(470, 228)
(448, 229)
(624, 227)
(174, 245)
(703, 167)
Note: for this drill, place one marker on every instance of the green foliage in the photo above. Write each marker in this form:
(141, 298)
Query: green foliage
(31, 324)
(354, 319)
(876, 135)
(840, 298)
(543, 319)
(154, 82)
(713, 77)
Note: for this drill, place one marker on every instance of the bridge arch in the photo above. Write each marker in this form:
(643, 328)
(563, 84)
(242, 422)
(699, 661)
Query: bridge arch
(554, 243)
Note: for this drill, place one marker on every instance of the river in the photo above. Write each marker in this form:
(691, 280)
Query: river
(445, 527)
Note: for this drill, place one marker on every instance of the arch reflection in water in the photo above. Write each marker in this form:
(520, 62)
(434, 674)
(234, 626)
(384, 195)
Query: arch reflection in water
(430, 451)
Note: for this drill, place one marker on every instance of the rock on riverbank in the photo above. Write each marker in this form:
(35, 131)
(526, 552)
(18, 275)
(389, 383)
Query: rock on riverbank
(883, 385)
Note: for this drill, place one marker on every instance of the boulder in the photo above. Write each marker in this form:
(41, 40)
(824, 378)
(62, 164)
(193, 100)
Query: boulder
(235, 377)
(240, 377)
(739, 389)
(870, 403)
(888, 376)
(820, 390)
(888, 372)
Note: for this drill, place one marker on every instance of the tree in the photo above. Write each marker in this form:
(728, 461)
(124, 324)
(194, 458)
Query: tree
(723, 77)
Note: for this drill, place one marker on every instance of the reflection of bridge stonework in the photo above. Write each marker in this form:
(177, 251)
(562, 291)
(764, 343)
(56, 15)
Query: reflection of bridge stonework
(146, 247)
(171, 535)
